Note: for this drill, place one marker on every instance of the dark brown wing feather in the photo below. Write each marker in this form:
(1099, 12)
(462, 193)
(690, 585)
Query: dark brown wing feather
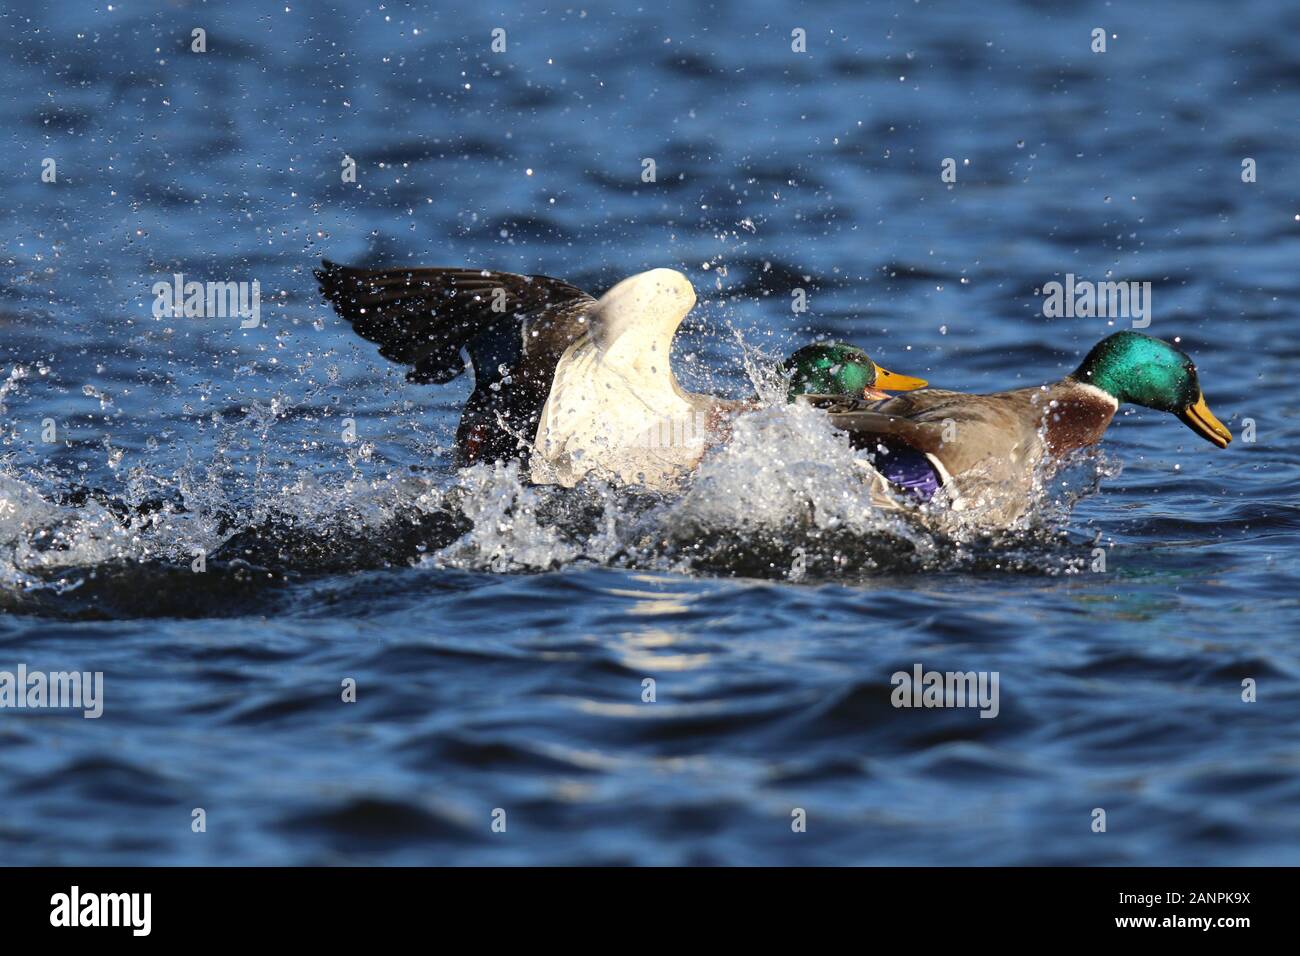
(864, 421)
(424, 317)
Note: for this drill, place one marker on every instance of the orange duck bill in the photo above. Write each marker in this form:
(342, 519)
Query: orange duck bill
(1201, 420)
(887, 381)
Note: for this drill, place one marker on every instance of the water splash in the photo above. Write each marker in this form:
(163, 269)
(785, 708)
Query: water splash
(785, 498)
(11, 382)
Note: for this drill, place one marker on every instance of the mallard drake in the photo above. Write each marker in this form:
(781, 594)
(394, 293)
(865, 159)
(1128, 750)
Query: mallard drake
(985, 449)
(566, 381)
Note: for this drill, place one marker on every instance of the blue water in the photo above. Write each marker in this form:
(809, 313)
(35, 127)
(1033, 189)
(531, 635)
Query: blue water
(499, 635)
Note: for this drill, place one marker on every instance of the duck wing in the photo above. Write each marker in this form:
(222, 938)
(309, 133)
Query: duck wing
(615, 403)
(865, 420)
(996, 434)
(423, 317)
(513, 327)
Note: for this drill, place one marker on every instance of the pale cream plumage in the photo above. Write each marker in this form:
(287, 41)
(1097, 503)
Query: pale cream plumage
(615, 405)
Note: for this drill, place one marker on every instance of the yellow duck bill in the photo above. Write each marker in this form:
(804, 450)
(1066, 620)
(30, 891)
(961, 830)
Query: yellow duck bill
(887, 381)
(1201, 420)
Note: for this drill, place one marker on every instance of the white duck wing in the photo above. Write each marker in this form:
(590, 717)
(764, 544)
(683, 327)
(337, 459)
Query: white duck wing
(615, 404)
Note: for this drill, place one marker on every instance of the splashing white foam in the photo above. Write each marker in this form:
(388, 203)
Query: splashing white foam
(16, 375)
(785, 465)
(506, 534)
(785, 497)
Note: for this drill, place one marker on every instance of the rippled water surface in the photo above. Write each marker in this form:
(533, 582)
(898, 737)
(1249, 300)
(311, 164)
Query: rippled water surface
(500, 634)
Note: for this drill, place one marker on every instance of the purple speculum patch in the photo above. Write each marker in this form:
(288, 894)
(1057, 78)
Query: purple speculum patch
(907, 469)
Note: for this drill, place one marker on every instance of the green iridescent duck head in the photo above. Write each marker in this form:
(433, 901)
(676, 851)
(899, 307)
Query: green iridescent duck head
(1136, 368)
(837, 369)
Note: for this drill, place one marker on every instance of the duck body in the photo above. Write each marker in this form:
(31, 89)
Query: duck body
(563, 382)
(985, 449)
(1001, 433)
